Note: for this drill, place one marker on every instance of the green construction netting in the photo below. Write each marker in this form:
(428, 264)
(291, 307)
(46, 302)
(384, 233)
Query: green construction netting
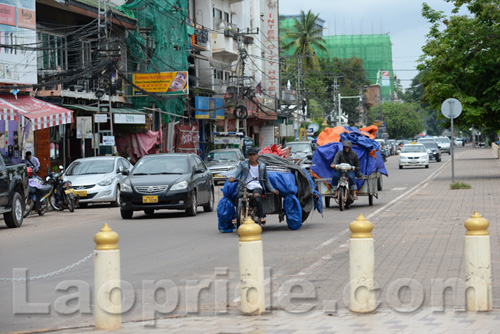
(164, 22)
(375, 50)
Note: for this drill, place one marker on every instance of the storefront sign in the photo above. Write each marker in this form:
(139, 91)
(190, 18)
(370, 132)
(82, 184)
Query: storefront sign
(84, 127)
(208, 107)
(169, 83)
(100, 118)
(108, 140)
(129, 119)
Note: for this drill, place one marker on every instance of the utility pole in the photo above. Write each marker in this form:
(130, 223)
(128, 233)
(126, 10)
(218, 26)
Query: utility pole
(335, 92)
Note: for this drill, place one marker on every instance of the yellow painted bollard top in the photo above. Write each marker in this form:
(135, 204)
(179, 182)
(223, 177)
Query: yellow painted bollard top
(477, 225)
(106, 239)
(250, 231)
(361, 228)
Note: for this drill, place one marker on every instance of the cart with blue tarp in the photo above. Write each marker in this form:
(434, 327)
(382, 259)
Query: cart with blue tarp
(297, 198)
(370, 161)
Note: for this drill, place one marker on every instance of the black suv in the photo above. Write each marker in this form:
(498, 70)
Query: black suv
(432, 148)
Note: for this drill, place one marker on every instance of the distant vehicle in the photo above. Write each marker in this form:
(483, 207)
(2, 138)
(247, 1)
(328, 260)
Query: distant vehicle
(174, 181)
(302, 151)
(458, 141)
(97, 179)
(391, 146)
(222, 161)
(413, 155)
(432, 148)
(444, 143)
(403, 143)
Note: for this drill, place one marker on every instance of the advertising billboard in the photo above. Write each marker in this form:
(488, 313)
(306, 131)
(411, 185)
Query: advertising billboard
(269, 31)
(17, 30)
(208, 107)
(169, 83)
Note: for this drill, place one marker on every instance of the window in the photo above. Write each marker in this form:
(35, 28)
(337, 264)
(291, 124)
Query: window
(217, 13)
(218, 74)
(227, 76)
(53, 53)
(56, 143)
(226, 17)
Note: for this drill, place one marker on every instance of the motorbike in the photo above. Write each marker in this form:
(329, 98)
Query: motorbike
(345, 197)
(63, 194)
(45, 191)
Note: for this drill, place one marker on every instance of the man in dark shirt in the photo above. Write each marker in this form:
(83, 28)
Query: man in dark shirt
(347, 155)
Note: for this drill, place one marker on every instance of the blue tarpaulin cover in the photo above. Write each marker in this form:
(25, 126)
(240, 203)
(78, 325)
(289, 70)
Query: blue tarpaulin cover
(362, 145)
(295, 186)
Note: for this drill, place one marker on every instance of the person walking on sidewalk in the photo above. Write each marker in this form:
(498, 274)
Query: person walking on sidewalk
(254, 175)
(347, 155)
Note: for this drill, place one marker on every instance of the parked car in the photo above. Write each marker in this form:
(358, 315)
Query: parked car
(301, 151)
(221, 161)
(459, 142)
(444, 143)
(413, 155)
(175, 181)
(97, 179)
(432, 148)
(13, 191)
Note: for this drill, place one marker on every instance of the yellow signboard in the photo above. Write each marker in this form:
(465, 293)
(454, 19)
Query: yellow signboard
(170, 83)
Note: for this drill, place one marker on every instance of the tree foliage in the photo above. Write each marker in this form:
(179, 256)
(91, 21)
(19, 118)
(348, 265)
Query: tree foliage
(401, 119)
(304, 38)
(461, 61)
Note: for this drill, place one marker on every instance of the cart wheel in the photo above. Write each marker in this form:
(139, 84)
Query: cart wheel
(370, 200)
(380, 183)
(327, 202)
(240, 214)
(341, 199)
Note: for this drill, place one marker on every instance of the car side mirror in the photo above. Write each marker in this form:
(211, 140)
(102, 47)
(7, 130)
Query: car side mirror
(125, 172)
(199, 170)
(120, 169)
(309, 156)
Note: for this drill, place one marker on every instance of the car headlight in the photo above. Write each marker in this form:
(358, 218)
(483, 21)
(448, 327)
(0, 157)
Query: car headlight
(429, 151)
(106, 182)
(232, 168)
(180, 186)
(126, 188)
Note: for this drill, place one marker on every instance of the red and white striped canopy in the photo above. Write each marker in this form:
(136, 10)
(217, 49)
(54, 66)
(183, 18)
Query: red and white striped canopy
(42, 114)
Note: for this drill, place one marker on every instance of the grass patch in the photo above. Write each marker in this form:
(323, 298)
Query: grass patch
(459, 185)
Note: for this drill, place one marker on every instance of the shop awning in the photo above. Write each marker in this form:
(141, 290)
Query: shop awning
(96, 110)
(42, 114)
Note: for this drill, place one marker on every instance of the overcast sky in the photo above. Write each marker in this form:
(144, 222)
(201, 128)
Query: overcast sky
(401, 19)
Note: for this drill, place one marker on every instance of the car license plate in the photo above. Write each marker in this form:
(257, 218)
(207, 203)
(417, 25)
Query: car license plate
(81, 193)
(217, 175)
(69, 191)
(149, 199)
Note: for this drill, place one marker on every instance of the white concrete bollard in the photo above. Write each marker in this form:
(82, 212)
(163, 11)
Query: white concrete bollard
(478, 264)
(107, 286)
(251, 256)
(362, 266)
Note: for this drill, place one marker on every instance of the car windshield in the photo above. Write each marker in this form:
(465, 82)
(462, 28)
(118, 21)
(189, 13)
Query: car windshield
(87, 167)
(222, 156)
(413, 149)
(429, 144)
(300, 147)
(443, 140)
(162, 165)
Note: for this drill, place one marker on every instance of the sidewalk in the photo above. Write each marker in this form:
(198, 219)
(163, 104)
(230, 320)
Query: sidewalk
(420, 237)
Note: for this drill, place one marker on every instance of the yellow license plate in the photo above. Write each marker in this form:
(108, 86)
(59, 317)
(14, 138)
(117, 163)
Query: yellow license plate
(149, 199)
(81, 193)
(69, 191)
(216, 175)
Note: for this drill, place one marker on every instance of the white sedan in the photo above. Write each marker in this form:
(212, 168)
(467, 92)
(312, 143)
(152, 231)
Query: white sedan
(413, 155)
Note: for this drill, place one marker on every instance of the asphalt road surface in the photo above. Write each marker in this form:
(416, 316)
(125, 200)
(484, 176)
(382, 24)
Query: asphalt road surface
(194, 264)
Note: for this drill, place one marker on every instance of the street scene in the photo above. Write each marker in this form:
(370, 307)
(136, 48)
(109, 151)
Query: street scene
(249, 166)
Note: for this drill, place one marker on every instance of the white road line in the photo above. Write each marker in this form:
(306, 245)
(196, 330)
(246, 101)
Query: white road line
(398, 188)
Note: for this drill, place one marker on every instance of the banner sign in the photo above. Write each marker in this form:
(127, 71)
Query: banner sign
(269, 28)
(17, 27)
(169, 83)
(386, 79)
(214, 107)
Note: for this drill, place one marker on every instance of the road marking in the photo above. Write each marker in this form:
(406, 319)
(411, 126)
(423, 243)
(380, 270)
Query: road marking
(398, 188)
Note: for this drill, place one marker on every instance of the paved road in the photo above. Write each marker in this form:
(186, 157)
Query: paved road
(171, 246)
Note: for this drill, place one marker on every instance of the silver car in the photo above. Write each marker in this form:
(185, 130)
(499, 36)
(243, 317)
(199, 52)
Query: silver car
(221, 161)
(97, 179)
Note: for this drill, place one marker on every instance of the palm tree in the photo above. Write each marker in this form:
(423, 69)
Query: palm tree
(304, 38)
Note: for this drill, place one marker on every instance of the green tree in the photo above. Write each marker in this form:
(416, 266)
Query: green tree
(402, 120)
(304, 38)
(461, 61)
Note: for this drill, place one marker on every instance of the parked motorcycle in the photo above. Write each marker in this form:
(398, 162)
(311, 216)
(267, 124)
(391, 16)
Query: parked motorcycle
(45, 189)
(63, 194)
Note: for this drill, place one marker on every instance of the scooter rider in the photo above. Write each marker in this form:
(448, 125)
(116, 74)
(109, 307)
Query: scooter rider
(250, 172)
(347, 155)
